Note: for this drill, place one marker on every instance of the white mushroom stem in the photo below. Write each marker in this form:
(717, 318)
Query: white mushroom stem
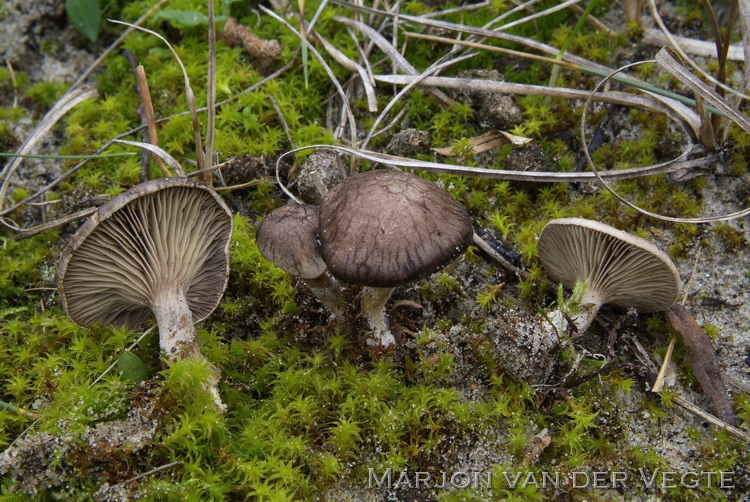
(328, 291)
(177, 335)
(373, 307)
(590, 304)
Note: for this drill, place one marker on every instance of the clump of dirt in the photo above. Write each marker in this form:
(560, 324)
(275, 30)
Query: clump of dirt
(495, 110)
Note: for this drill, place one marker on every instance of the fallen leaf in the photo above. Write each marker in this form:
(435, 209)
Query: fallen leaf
(486, 142)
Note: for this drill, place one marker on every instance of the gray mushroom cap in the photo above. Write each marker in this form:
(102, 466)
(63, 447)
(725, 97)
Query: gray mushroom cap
(386, 228)
(288, 237)
(621, 269)
(164, 233)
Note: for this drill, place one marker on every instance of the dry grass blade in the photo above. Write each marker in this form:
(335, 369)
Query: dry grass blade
(342, 94)
(398, 60)
(13, 81)
(343, 60)
(415, 81)
(692, 46)
(703, 358)
(67, 174)
(500, 174)
(166, 157)
(68, 101)
(482, 33)
(676, 46)
(663, 105)
(667, 61)
(734, 431)
(537, 15)
(619, 197)
(188, 92)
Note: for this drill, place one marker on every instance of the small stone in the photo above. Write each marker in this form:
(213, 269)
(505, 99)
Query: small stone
(330, 171)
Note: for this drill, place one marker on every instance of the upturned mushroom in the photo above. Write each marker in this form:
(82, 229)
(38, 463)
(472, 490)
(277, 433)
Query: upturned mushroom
(288, 237)
(619, 268)
(382, 229)
(159, 249)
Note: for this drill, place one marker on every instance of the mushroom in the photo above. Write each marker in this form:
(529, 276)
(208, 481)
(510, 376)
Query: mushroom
(618, 267)
(381, 229)
(288, 237)
(161, 248)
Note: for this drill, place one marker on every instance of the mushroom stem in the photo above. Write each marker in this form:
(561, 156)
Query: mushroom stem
(373, 307)
(328, 291)
(177, 335)
(590, 305)
(176, 331)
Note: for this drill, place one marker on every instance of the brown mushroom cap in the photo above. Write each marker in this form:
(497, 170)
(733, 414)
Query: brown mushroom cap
(386, 228)
(621, 269)
(288, 237)
(164, 233)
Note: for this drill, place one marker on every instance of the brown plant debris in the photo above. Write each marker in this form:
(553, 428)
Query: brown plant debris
(486, 142)
(264, 50)
(704, 361)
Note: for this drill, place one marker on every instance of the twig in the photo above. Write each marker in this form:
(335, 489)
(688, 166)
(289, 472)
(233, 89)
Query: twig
(153, 471)
(484, 246)
(687, 405)
(282, 120)
(245, 185)
(659, 382)
(190, 96)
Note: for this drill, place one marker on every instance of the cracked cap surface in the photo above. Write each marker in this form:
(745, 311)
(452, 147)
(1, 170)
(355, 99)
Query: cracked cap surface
(386, 228)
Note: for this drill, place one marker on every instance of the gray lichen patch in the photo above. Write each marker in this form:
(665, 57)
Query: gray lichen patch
(45, 460)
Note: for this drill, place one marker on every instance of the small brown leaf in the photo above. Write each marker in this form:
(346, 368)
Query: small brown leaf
(486, 142)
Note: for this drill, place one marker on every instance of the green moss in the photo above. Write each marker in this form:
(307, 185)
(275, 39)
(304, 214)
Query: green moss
(307, 406)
